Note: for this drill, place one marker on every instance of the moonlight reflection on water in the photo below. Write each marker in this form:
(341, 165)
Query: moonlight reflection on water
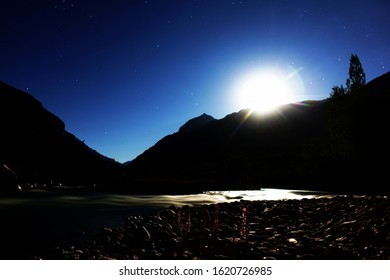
(38, 219)
(58, 199)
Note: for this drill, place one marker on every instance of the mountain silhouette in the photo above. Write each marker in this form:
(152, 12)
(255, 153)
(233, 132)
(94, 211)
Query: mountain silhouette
(336, 145)
(196, 122)
(227, 151)
(36, 149)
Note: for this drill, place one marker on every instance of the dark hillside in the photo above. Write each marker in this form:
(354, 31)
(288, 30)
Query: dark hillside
(338, 145)
(37, 150)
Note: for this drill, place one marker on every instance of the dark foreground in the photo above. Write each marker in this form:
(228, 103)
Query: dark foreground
(344, 227)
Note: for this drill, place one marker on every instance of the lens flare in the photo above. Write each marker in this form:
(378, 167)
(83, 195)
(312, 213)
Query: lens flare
(262, 91)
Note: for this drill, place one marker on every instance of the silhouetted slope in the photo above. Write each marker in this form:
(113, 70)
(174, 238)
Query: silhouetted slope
(38, 149)
(196, 122)
(332, 144)
(235, 148)
(359, 123)
(337, 144)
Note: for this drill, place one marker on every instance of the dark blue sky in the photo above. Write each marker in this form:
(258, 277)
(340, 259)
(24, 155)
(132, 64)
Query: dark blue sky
(123, 74)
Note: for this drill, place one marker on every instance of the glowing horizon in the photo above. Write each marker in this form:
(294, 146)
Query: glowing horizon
(263, 90)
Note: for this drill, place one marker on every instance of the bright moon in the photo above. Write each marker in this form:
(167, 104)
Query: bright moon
(263, 91)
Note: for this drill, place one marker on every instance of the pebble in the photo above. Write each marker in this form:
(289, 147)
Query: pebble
(342, 227)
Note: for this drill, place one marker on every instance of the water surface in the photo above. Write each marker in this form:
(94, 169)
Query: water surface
(38, 220)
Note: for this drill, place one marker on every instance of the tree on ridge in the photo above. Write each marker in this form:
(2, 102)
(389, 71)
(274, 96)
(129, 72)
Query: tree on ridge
(356, 79)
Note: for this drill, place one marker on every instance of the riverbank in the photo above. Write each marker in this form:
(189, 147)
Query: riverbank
(342, 227)
(35, 222)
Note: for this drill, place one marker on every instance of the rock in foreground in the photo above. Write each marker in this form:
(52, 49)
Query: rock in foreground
(344, 227)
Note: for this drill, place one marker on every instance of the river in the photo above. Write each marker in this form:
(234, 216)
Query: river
(35, 221)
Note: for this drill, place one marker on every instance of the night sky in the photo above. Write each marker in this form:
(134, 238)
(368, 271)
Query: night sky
(123, 74)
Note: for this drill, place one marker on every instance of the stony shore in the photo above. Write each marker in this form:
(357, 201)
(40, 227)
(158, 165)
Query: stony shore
(342, 227)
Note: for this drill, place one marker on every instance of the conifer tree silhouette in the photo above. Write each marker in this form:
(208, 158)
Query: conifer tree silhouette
(357, 77)
(337, 91)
